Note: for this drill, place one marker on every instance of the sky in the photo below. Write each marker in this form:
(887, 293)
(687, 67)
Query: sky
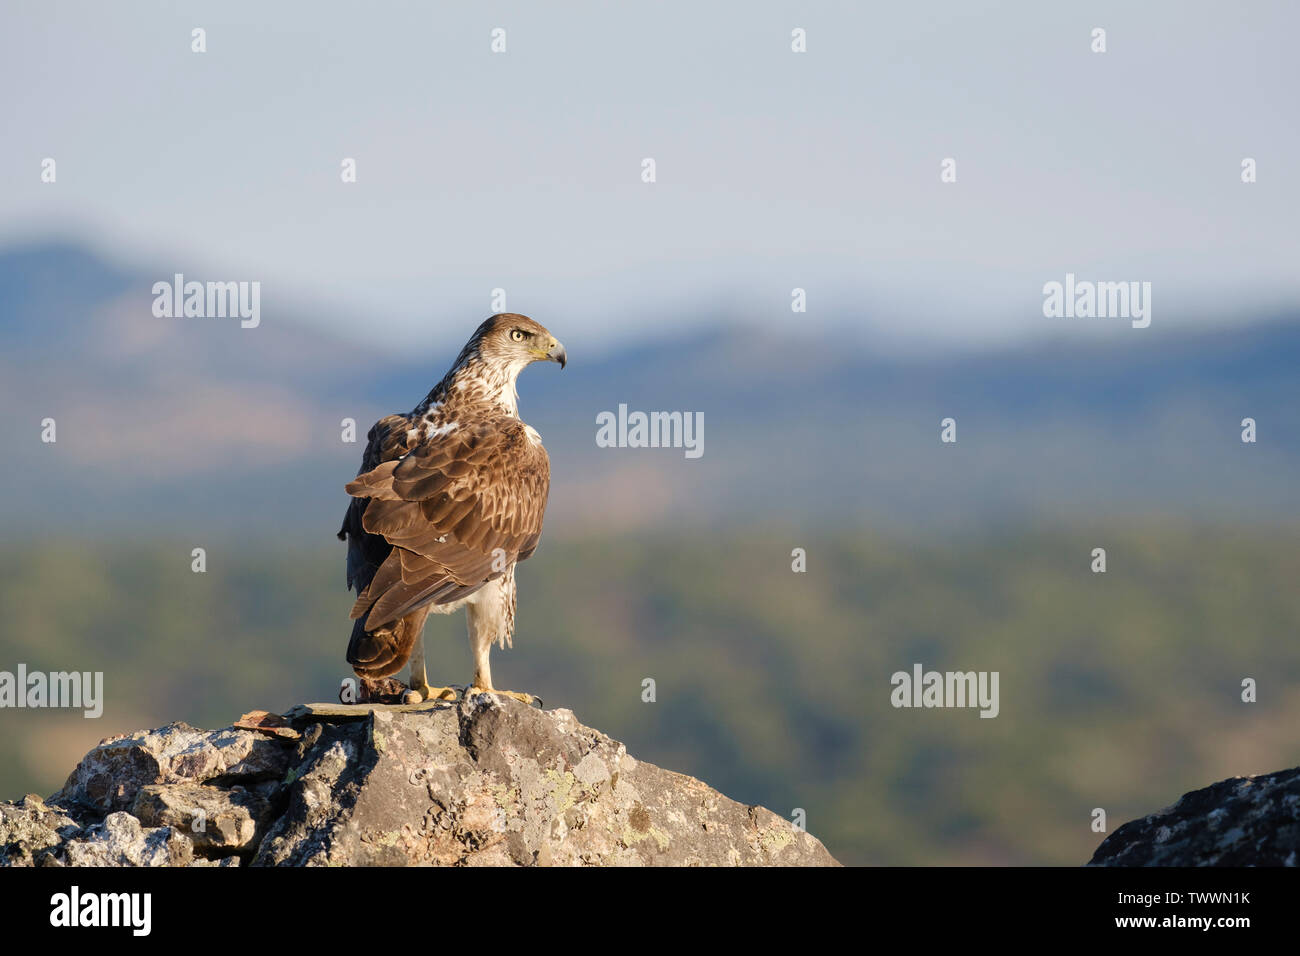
(774, 170)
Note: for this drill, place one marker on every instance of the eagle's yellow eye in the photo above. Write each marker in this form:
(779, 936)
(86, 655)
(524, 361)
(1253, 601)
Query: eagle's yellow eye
(518, 335)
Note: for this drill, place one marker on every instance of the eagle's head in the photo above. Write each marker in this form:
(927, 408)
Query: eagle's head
(512, 341)
(486, 369)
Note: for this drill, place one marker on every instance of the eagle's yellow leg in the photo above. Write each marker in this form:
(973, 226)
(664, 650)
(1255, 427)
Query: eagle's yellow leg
(424, 692)
(489, 616)
(419, 683)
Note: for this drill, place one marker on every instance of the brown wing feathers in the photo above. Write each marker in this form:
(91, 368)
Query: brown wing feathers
(442, 510)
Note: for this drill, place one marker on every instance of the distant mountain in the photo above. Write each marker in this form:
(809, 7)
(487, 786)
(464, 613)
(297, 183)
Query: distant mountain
(177, 424)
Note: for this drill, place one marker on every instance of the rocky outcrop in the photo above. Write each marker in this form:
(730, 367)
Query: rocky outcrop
(485, 781)
(1243, 821)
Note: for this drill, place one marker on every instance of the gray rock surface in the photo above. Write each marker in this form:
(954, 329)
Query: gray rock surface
(110, 776)
(121, 840)
(31, 831)
(214, 818)
(485, 781)
(1242, 821)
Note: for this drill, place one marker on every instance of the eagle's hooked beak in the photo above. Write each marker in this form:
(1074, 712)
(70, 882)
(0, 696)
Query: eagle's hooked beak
(556, 353)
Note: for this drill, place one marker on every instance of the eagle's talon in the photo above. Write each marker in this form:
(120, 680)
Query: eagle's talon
(423, 692)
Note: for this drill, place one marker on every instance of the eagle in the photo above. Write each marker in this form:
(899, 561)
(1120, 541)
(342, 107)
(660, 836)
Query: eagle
(448, 499)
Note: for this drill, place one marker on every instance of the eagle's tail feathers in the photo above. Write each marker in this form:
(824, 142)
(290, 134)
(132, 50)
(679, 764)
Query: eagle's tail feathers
(385, 650)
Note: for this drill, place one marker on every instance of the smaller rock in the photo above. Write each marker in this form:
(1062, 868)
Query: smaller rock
(121, 841)
(215, 820)
(1242, 821)
(267, 723)
(330, 713)
(110, 776)
(30, 831)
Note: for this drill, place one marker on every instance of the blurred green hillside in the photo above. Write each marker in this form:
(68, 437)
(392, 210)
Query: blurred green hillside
(1118, 690)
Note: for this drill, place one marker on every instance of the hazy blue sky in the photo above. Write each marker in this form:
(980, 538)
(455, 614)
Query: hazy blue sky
(775, 169)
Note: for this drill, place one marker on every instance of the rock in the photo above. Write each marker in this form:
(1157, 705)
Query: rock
(122, 841)
(109, 777)
(34, 834)
(485, 781)
(214, 819)
(31, 831)
(1242, 821)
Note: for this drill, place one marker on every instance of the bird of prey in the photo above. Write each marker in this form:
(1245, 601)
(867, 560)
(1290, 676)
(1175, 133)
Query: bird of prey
(449, 498)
